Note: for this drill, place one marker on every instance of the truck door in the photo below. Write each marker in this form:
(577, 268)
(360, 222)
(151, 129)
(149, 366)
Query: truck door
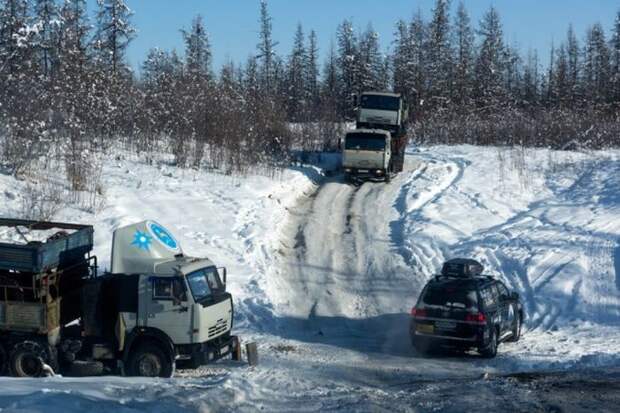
(168, 308)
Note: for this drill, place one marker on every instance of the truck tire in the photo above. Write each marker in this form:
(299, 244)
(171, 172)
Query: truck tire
(85, 369)
(149, 360)
(27, 359)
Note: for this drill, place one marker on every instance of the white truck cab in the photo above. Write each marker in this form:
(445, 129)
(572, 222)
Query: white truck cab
(366, 153)
(180, 300)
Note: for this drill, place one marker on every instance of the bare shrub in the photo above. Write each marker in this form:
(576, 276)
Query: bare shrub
(91, 195)
(42, 200)
(180, 150)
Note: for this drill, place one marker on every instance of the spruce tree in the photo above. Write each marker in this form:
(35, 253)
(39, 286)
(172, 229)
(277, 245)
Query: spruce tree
(266, 48)
(531, 81)
(597, 68)
(296, 81)
(417, 66)
(312, 72)
(370, 61)
(13, 23)
(197, 49)
(574, 69)
(490, 64)
(615, 60)
(348, 66)
(114, 33)
(330, 86)
(439, 52)
(47, 17)
(464, 60)
(562, 77)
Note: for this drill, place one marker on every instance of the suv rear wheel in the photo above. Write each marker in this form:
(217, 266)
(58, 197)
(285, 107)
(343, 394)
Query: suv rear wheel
(516, 330)
(490, 350)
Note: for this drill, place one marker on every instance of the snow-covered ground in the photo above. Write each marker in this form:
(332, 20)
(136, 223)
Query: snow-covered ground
(324, 274)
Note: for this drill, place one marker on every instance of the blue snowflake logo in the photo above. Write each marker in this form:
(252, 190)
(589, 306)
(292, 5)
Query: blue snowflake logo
(163, 236)
(142, 240)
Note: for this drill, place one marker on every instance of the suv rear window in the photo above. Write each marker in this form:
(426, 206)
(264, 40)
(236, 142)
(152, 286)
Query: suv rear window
(451, 297)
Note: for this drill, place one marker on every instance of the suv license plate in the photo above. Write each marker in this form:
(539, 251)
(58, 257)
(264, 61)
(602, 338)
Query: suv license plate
(445, 325)
(362, 170)
(425, 328)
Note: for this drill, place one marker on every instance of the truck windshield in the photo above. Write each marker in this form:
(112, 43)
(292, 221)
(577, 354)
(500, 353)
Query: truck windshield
(380, 102)
(365, 142)
(205, 283)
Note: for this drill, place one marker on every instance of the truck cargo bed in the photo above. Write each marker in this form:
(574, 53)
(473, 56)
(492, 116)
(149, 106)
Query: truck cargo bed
(35, 257)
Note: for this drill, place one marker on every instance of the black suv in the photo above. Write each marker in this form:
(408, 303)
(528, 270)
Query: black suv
(463, 309)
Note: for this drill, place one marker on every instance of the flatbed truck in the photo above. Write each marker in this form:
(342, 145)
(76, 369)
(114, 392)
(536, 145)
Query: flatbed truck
(156, 309)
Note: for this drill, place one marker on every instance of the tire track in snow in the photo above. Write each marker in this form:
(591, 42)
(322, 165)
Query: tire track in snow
(426, 186)
(348, 275)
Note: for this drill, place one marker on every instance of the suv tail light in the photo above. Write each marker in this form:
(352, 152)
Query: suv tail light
(418, 312)
(478, 318)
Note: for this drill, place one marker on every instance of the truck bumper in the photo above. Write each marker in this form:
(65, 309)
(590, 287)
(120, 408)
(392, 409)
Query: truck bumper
(363, 173)
(393, 129)
(213, 350)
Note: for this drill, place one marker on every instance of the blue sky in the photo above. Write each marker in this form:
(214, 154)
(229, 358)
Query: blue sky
(233, 24)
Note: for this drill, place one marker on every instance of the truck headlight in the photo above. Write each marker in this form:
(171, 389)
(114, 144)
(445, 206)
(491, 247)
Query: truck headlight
(347, 169)
(379, 172)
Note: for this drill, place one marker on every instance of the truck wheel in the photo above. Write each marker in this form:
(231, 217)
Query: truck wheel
(150, 360)
(27, 359)
(86, 369)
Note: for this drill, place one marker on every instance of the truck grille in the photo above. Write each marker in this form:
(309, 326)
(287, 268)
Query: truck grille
(218, 328)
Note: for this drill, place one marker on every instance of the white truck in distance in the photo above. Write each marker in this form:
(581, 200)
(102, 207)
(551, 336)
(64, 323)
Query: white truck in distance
(367, 153)
(376, 149)
(383, 110)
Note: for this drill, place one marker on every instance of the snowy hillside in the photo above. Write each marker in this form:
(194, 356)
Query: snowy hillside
(324, 274)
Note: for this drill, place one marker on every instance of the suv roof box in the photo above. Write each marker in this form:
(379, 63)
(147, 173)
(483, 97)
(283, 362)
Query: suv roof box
(461, 267)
